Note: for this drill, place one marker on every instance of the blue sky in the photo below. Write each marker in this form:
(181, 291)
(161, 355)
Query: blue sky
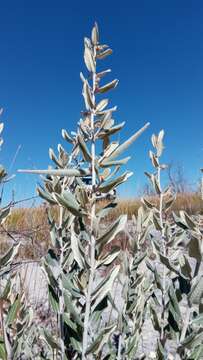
(158, 58)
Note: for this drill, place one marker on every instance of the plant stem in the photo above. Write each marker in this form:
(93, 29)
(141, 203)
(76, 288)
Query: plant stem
(61, 297)
(92, 235)
(164, 253)
(119, 347)
(8, 350)
(185, 325)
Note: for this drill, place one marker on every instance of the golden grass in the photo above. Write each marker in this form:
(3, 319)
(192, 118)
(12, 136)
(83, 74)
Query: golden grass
(31, 223)
(189, 202)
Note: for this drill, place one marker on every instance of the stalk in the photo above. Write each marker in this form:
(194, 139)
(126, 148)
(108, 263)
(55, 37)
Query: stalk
(92, 236)
(164, 253)
(119, 347)
(61, 297)
(8, 351)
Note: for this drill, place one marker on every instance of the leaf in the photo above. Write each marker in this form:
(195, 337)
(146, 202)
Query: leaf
(162, 355)
(147, 203)
(4, 213)
(194, 246)
(107, 87)
(157, 279)
(128, 142)
(108, 186)
(66, 136)
(197, 353)
(69, 322)
(196, 292)
(6, 290)
(68, 285)
(10, 254)
(67, 199)
(109, 258)
(50, 340)
(1, 124)
(189, 221)
(104, 54)
(154, 140)
(53, 299)
(107, 163)
(102, 104)
(157, 186)
(59, 172)
(109, 150)
(184, 285)
(168, 264)
(46, 196)
(198, 320)
(174, 301)
(87, 96)
(101, 340)
(84, 149)
(2, 352)
(106, 210)
(95, 34)
(154, 159)
(12, 311)
(106, 119)
(169, 203)
(76, 344)
(103, 73)
(178, 221)
(53, 157)
(193, 340)
(108, 131)
(118, 226)
(157, 223)
(160, 146)
(104, 287)
(155, 319)
(72, 309)
(76, 250)
(89, 60)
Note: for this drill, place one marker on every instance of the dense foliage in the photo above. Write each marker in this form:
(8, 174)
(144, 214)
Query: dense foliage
(108, 303)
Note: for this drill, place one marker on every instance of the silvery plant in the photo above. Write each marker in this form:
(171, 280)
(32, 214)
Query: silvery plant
(142, 303)
(81, 272)
(175, 304)
(15, 317)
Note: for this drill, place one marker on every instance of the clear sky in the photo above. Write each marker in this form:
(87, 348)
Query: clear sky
(158, 58)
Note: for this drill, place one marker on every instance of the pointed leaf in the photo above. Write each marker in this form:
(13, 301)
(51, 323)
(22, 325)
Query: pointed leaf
(108, 86)
(89, 60)
(84, 149)
(108, 186)
(128, 142)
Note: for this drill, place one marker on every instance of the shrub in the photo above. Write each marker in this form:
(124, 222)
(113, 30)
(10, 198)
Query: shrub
(105, 301)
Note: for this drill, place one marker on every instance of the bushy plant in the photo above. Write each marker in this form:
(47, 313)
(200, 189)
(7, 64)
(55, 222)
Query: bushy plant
(105, 301)
(76, 290)
(10, 301)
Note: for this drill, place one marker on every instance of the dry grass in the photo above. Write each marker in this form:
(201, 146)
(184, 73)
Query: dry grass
(189, 202)
(31, 223)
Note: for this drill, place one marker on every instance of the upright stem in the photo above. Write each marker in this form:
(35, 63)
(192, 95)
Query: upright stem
(8, 349)
(92, 235)
(119, 347)
(164, 253)
(61, 297)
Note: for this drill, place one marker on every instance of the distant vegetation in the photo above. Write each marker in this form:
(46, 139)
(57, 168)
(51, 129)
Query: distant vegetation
(32, 225)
